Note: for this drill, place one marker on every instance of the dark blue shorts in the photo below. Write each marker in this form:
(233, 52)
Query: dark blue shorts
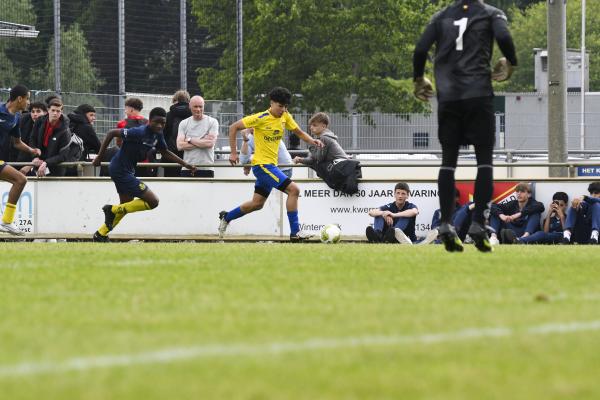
(268, 176)
(129, 184)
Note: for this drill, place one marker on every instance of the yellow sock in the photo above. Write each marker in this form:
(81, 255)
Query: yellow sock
(117, 219)
(9, 213)
(132, 206)
(103, 230)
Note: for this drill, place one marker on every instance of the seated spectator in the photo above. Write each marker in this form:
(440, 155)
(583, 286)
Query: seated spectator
(52, 136)
(81, 123)
(583, 218)
(516, 218)
(553, 223)
(180, 110)
(196, 137)
(394, 222)
(331, 162)
(36, 110)
(247, 150)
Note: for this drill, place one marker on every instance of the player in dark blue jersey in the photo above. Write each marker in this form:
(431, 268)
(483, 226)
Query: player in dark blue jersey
(464, 34)
(133, 193)
(9, 126)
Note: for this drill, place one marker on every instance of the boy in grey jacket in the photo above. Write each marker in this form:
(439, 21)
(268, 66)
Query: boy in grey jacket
(331, 150)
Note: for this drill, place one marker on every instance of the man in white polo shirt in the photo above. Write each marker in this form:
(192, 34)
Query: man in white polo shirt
(196, 137)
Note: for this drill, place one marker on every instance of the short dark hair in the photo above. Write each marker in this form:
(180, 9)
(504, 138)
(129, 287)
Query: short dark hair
(134, 103)
(38, 104)
(57, 102)
(157, 112)
(594, 187)
(84, 109)
(561, 196)
(402, 186)
(280, 95)
(48, 99)
(18, 91)
(523, 187)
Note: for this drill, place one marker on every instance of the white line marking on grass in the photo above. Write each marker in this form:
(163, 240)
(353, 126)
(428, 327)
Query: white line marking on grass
(277, 348)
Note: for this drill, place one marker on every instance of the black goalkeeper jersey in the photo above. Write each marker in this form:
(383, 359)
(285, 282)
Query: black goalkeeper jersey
(464, 34)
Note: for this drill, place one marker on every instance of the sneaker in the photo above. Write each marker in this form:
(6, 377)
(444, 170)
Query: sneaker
(372, 235)
(99, 238)
(493, 240)
(389, 236)
(301, 236)
(594, 237)
(223, 224)
(109, 216)
(448, 236)
(480, 237)
(565, 240)
(431, 237)
(401, 236)
(508, 236)
(10, 228)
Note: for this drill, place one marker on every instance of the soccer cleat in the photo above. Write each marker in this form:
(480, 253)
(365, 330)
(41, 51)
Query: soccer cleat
(565, 240)
(448, 236)
(223, 224)
(401, 236)
(300, 236)
(99, 238)
(508, 236)
(480, 237)
(372, 235)
(10, 228)
(431, 237)
(109, 216)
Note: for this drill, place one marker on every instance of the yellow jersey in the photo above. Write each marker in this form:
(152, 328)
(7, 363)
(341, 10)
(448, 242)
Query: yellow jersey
(268, 131)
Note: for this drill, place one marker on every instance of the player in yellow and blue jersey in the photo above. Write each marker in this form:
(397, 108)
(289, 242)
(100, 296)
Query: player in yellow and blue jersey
(269, 127)
(134, 195)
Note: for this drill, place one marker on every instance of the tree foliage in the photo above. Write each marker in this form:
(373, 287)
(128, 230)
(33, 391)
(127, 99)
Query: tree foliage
(529, 29)
(10, 73)
(327, 52)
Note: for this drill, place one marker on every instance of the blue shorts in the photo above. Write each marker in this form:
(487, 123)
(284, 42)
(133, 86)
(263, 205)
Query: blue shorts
(268, 176)
(129, 184)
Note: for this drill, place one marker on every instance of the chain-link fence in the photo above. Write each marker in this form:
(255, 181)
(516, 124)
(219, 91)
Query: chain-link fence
(162, 42)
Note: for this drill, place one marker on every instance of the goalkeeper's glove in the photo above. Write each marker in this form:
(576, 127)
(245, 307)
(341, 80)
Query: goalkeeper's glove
(502, 70)
(423, 89)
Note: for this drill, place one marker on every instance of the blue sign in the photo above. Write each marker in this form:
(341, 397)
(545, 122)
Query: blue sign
(588, 171)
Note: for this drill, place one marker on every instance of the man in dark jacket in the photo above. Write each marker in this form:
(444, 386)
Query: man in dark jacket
(81, 123)
(516, 218)
(52, 136)
(180, 110)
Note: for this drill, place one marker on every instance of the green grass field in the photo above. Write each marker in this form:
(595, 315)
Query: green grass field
(281, 321)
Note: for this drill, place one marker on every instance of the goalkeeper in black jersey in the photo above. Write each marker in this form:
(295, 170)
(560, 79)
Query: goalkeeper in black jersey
(464, 34)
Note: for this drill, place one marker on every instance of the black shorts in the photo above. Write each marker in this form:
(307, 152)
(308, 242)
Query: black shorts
(470, 121)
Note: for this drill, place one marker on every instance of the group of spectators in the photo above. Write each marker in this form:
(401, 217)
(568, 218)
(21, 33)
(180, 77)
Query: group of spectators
(45, 127)
(518, 221)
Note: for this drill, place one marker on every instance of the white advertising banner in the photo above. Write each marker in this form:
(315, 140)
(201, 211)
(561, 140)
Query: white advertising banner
(191, 207)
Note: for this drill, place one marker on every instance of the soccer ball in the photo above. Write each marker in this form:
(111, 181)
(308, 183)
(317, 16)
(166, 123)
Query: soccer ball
(331, 233)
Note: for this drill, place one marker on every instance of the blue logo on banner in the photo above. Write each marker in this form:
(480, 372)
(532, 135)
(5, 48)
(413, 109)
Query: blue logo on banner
(588, 171)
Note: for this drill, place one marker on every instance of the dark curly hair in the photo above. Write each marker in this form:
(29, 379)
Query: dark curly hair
(280, 95)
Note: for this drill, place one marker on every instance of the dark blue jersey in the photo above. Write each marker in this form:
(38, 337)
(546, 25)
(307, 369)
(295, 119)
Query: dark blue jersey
(9, 126)
(410, 229)
(555, 224)
(137, 142)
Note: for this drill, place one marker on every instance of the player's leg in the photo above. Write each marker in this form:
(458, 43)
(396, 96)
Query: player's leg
(18, 181)
(480, 131)
(291, 204)
(261, 194)
(450, 136)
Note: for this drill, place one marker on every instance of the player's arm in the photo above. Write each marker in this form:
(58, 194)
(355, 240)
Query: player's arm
(377, 212)
(306, 138)
(170, 156)
(504, 67)
(115, 133)
(411, 212)
(19, 145)
(233, 130)
(423, 88)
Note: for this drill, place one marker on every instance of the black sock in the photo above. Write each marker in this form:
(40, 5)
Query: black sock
(484, 184)
(446, 187)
